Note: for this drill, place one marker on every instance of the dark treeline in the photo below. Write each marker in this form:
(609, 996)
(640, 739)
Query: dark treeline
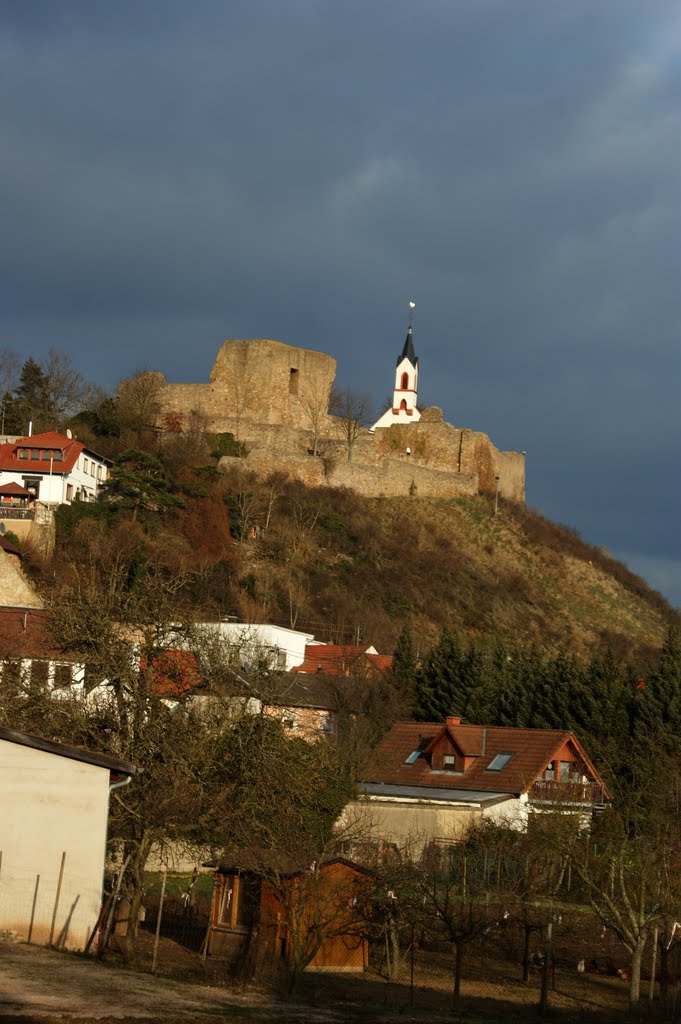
(607, 703)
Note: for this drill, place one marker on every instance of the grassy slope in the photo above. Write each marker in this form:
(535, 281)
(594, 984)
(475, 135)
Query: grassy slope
(380, 563)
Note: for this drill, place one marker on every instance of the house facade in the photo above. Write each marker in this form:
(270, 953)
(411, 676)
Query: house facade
(51, 468)
(54, 804)
(428, 783)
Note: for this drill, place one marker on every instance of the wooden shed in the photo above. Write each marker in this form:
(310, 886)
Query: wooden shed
(307, 918)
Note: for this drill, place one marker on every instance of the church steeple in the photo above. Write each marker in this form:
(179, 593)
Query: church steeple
(408, 350)
(404, 408)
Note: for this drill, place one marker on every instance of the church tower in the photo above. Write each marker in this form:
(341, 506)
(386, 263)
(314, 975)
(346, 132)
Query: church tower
(404, 408)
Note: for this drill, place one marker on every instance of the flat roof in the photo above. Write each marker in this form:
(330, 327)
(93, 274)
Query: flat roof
(113, 764)
(430, 795)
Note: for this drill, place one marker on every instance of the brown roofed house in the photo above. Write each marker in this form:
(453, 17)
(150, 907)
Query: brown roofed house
(431, 781)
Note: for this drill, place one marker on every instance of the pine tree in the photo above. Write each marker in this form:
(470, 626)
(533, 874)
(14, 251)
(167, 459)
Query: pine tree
(440, 688)
(659, 707)
(404, 669)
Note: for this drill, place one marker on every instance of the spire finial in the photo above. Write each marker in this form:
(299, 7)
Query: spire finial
(412, 306)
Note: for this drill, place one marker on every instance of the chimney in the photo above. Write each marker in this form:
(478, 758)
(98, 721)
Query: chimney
(452, 721)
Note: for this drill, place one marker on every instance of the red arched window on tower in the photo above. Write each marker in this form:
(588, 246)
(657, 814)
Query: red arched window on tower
(403, 404)
(404, 384)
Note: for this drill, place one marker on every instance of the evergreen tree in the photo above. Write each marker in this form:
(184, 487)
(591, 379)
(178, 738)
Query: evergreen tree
(659, 707)
(138, 481)
(440, 691)
(404, 669)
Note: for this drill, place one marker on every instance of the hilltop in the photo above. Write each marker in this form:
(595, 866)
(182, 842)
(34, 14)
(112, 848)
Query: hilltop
(338, 563)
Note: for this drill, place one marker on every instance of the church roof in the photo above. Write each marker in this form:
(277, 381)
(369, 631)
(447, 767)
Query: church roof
(408, 350)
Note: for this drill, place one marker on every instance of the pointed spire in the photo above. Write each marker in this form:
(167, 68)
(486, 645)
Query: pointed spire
(408, 350)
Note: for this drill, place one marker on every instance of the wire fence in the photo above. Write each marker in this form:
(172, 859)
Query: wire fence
(505, 970)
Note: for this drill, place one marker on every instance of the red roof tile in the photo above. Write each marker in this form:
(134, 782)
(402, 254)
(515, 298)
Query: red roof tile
(25, 633)
(50, 441)
(174, 672)
(532, 750)
(341, 660)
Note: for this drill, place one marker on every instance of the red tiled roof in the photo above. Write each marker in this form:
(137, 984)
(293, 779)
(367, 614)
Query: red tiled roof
(16, 489)
(174, 672)
(341, 660)
(532, 750)
(24, 633)
(49, 441)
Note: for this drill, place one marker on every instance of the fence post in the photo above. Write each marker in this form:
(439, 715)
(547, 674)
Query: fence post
(57, 895)
(544, 997)
(411, 977)
(158, 920)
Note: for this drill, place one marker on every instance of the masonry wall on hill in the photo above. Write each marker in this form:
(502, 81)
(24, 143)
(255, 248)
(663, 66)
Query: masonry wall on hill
(274, 399)
(259, 382)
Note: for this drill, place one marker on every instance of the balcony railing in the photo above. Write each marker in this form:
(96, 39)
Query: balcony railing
(7, 512)
(547, 791)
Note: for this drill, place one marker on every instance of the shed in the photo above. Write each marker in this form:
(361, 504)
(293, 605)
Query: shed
(54, 804)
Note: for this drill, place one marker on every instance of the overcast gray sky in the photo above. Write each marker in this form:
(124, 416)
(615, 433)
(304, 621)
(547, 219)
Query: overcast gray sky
(175, 173)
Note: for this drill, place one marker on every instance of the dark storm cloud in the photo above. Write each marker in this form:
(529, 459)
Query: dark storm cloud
(174, 174)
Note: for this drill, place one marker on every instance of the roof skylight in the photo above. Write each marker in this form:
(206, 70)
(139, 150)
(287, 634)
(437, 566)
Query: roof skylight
(413, 757)
(499, 761)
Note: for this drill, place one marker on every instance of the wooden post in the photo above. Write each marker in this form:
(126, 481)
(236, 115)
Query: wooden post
(112, 908)
(544, 997)
(57, 895)
(653, 966)
(35, 900)
(158, 920)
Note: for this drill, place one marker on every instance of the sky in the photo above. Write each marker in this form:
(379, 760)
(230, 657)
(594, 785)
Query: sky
(173, 174)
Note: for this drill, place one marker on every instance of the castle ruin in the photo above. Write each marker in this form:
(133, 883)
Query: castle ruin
(275, 398)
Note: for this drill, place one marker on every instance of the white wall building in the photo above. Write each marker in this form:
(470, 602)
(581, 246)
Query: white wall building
(254, 643)
(54, 805)
(55, 469)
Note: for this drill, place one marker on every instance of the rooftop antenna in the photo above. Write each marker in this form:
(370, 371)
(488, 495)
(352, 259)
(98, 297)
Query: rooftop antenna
(412, 307)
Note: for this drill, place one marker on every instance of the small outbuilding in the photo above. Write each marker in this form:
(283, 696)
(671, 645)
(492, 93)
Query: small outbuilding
(307, 920)
(54, 806)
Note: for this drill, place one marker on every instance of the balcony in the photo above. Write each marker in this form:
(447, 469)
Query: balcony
(552, 792)
(7, 512)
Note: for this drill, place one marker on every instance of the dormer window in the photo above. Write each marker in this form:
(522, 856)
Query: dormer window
(449, 762)
(23, 453)
(499, 761)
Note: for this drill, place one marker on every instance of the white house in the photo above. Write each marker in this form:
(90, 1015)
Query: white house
(54, 805)
(263, 643)
(52, 468)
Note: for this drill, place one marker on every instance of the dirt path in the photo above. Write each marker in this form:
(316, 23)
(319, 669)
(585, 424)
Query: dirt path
(38, 984)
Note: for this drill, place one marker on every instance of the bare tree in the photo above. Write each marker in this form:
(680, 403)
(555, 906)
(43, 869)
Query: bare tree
(315, 404)
(353, 412)
(10, 366)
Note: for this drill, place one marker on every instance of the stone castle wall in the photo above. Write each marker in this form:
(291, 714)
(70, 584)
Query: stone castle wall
(258, 382)
(274, 399)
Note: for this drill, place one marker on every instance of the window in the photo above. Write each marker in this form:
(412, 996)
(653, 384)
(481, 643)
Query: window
(39, 672)
(86, 463)
(293, 381)
(58, 456)
(499, 761)
(69, 492)
(449, 762)
(413, 757)
(62, 675)
(46, 456)
(35, 454)
(32, 484)
(325, 721)
(549, 773)
(289, 720)
(565, 771)
(23, 453)
(404, 383)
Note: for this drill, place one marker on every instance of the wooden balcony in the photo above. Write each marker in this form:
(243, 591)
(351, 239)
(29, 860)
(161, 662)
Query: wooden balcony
(552, 792)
